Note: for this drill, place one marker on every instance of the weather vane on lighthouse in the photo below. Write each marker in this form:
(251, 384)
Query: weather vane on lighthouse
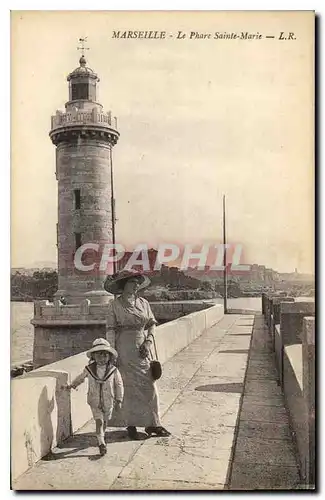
(82, 41)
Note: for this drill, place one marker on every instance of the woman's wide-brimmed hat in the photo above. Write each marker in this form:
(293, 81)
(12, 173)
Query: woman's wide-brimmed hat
(116, 286)
(101, 345)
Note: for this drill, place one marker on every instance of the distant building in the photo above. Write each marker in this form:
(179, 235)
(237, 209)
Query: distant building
(152, 258)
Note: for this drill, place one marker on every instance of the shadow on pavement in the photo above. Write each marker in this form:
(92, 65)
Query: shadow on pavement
(239, 334)
(73, 445)
(235, 351)
(231, 387)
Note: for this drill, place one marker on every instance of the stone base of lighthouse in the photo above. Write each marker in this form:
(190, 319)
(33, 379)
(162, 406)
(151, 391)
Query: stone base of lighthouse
(61, 330)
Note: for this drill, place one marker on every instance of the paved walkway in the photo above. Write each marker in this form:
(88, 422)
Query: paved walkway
(264, 455)
(228, 431)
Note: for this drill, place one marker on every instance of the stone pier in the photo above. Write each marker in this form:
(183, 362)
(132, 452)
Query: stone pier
(230, 430)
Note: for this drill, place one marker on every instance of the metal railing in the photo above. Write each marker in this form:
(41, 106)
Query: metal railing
(83, 117)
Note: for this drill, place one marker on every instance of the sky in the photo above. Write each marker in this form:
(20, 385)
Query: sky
(198, 118)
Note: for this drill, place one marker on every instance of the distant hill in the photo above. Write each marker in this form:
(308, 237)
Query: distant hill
(297, 277)
(27, 285)
(43, 263)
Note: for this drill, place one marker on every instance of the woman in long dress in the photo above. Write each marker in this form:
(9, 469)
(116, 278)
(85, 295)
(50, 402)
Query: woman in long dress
(134, 325)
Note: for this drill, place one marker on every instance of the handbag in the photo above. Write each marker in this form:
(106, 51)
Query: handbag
(155, 365)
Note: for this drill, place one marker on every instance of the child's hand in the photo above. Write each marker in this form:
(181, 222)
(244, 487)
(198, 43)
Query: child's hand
(118, 405)
(67, 387)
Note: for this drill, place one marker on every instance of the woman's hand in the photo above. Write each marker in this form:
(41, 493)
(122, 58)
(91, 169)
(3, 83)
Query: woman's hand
(118, 405)
(144, 349)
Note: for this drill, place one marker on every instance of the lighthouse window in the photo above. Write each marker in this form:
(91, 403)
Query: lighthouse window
(77, 201)
(77, 240)
(79, 91)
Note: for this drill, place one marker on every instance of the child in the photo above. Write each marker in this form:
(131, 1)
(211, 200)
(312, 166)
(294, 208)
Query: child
(105, 386)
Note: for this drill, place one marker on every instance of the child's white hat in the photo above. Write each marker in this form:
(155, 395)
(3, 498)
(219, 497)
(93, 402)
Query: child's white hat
(101, 345)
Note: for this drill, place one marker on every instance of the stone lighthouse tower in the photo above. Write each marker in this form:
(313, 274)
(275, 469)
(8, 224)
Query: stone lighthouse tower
(84, 136)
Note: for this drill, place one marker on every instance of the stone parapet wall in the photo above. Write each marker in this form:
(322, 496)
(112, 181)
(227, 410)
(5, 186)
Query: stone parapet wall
(309, 393)
(45, 310)
(291, 320)
(167, 311)
(294, 348)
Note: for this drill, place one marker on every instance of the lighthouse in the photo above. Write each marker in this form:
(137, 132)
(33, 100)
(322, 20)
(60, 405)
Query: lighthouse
(84, 136)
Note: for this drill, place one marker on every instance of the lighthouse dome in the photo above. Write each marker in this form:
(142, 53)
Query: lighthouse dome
(82, 70)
